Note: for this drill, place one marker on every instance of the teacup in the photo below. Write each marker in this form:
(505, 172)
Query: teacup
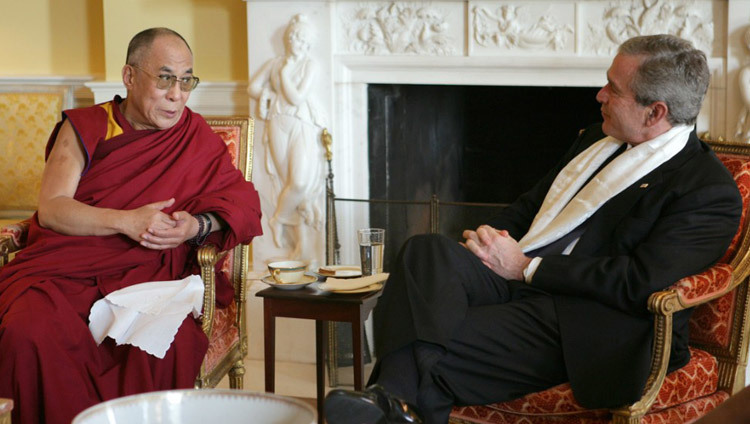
(287, 272)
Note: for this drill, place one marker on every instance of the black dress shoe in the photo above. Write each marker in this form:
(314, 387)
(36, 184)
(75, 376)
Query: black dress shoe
(372, 406)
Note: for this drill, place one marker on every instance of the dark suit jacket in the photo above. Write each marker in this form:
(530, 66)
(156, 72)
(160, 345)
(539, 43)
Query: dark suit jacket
(675, 221)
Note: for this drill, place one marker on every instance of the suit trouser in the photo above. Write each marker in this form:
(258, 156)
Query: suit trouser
(497, 340)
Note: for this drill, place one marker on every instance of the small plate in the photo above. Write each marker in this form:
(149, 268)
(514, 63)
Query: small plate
(306, 279)
(342, 271)
(371, 287)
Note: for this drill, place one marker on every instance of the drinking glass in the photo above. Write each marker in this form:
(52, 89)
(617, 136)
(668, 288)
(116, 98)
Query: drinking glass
(371, 244)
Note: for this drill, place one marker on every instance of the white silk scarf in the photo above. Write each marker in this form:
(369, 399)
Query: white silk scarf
(567, 205)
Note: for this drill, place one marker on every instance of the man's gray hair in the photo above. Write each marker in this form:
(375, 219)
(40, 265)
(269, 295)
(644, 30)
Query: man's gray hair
(143, 40)
(673, 71)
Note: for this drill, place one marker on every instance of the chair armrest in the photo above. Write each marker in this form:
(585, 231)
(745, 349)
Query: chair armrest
(6, 405)
(7, 246)
(688, 292)
(708, 285)
(694, 290)
(208, 257)
(13, 239)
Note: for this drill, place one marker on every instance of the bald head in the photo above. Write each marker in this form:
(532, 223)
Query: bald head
(141, 43)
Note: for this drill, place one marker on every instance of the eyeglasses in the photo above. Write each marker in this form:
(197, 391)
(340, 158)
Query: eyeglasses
(165, 82)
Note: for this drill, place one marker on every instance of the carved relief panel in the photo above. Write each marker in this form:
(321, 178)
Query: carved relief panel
(606, 24)
(590, 27)
(401, 28)
(582, 27)
(521, 27)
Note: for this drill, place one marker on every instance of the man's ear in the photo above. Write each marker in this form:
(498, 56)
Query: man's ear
(658, 111)
(127, 76)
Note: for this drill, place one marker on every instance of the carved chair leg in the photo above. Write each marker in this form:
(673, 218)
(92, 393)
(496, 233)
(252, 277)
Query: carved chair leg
(237, 375)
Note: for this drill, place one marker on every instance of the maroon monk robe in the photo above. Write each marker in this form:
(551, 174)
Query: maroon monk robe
(49, 363)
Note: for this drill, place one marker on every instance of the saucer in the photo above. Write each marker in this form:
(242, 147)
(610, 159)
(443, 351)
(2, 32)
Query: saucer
(341, 271)
(306, 279)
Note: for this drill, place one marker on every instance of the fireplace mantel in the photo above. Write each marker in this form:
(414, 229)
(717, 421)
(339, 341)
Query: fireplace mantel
(461, 70)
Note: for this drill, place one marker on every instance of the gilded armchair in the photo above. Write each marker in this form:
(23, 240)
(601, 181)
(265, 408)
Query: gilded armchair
(718, 342)
(225, 328)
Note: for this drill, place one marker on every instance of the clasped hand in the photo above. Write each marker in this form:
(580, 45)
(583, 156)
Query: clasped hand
(155, 229)
(498, 251)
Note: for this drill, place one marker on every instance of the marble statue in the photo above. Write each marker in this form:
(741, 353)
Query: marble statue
(743, 121)
(293, 124)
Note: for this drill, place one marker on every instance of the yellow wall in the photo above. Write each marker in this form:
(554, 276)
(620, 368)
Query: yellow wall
(215, 29)
(90, 37)
(51, 37)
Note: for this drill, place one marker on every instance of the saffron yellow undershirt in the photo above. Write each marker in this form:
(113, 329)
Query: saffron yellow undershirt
(113, 128)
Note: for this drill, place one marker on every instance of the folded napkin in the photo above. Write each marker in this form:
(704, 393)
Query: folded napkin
(343, 284)
(147, 315)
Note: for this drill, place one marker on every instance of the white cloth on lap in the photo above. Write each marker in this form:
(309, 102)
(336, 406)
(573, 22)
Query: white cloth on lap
(147, 315)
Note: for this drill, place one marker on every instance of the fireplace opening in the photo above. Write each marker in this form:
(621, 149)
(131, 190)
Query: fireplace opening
(479, 144)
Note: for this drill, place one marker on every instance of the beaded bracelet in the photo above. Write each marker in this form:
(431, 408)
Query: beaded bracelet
(204, 229)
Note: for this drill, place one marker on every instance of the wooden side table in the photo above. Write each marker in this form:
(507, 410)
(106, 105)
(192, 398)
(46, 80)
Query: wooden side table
(309, 303)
